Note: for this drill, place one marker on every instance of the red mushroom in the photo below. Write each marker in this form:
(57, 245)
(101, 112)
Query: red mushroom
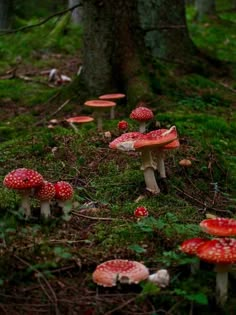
(222, 253)
(161, 150)
(190, 247)
(142, 115)
(112, 97)
(140, 212)
(99, 106)
(23, 180)
(219, 226)
(126, 271)
(63, 194)
(45, 193)
(78, 120)
(123, 126)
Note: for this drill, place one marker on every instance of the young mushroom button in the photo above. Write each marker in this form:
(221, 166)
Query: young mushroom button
(142, 115)
(23, 180)
(140, 212)
(64, 192)
(45, 193)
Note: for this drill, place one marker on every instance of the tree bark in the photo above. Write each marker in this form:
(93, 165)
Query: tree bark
(4, 14)
(122, 38)
(76, 14)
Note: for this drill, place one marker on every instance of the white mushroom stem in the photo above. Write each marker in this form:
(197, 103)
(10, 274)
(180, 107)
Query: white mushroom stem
(98, 115)
(160, 278)
(148, 166)
(221, 283)
(161, 163)
(45, 209)
(142, 126)
(112, 113)
(74, 127)
(25, 203)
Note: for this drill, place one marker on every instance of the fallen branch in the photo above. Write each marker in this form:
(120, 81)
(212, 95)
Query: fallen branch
(76, 213)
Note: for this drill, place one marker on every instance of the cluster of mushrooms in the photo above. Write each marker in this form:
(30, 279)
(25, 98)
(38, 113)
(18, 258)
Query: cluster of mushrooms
(220, 251)
(27, 182)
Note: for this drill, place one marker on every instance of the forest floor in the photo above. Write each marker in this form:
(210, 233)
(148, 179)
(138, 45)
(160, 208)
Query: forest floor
(46, 266)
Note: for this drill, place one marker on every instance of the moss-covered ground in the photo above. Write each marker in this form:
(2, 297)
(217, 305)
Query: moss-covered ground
(46, 267)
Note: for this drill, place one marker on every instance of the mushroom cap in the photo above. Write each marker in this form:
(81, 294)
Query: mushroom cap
(218, 251)
(140, 212)
(160, 138)
(219, 226)
(112, 96)
(141, 114)
(64, 191)
(126, 271)
(46, 191)
(191, 245)
(126, 137)
(99, 103)
(79, 119)
(23, 178)
(185, 163)
(122, 125)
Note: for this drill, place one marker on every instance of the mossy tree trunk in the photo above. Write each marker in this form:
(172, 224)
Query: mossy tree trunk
(121, 39)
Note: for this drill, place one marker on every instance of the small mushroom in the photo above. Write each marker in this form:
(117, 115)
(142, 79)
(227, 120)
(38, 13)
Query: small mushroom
(125, 271)
(185, 163)
(99, 106)
(142, 115)
(23, 180)
(222, 253)
(190, 247)
(141, 212)
(78, 120)
(63, 194)
(112, 97)
(122, 126)
(45, 193)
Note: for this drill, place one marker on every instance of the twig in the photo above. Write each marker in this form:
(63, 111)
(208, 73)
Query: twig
(24, 28)
(93, 218)
(121, 306)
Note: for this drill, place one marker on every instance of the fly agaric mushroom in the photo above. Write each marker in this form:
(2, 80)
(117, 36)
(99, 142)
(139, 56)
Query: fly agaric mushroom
(78, 120)
(64, 193)
(161, 278)
(222, 253)
(112, 97)
(219, 226)
(140, 212)
(99, 106)
(146, 145)
(45, 193)
(125, 271)
(190, 247)
(23, 180)
(161, 150)
(185, 163)
(142, 115)
(122, 126)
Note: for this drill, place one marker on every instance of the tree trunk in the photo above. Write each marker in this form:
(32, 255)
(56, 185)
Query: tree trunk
(205, 8)
(4, 14)
(121, 39)
(76, 14)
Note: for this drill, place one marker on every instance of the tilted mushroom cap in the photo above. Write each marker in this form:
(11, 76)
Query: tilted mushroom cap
(157, 139)
(113, 96)
(126, 137)
(141, 212)
(79, 119)
(23, 178)
(218, 251)
(46, 191)
(190, 246)
(219, 226)
(108, 273)
(141, 114)
(64, 191)
(100, 103)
